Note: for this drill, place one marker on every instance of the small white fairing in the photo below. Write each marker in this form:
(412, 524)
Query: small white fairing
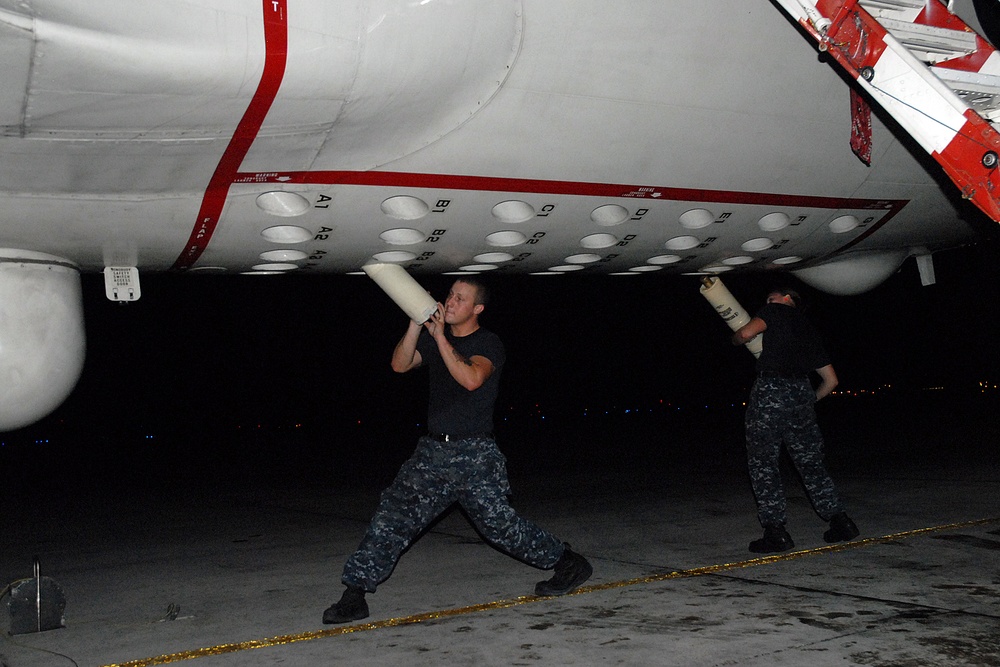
(853, 274)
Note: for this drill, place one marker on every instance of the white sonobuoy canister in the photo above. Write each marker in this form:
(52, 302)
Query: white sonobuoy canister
(403, 290)
(729, 309)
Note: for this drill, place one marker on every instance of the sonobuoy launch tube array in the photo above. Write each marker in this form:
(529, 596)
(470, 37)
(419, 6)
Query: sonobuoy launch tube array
(729, 309)
(402, 289)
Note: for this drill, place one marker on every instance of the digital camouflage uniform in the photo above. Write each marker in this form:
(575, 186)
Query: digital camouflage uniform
(467, 468)
(781, 409)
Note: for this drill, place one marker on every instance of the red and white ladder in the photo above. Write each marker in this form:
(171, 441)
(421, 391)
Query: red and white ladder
(936, 76)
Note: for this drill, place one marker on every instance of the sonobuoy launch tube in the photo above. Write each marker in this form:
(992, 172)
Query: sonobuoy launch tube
(403, 290)
(729, 309)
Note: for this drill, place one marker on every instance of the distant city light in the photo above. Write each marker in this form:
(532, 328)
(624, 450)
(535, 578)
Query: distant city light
(555, 412)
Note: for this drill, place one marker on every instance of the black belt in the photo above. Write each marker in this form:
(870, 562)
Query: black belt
(450, 437)
(781, 374)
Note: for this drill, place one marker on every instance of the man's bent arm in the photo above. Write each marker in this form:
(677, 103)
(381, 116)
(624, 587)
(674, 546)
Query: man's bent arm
(828, 381)
(405, 356)
(748, 331)
(470, 372)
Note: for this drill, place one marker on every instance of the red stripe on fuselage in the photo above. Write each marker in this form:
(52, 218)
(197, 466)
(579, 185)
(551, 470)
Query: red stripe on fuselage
(578, 188)
(276, 51)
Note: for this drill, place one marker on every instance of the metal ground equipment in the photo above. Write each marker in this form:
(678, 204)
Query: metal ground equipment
(35, 604)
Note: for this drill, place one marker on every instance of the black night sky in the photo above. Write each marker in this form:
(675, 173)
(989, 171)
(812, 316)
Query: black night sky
(211, 374)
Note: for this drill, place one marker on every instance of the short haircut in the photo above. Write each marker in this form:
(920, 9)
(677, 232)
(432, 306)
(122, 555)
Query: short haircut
(790, 293)
(482, 292)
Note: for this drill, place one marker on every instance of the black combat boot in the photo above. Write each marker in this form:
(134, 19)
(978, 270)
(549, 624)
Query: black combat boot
(351, 607)
(570, 573)
(775, 539)
(841, 529)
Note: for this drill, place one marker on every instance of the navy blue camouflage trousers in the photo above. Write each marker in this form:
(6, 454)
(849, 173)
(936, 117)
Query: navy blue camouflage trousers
(471, 472)
(782, 410)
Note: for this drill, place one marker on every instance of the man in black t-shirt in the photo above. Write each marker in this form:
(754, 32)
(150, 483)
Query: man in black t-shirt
(456, 462)
(781, 410)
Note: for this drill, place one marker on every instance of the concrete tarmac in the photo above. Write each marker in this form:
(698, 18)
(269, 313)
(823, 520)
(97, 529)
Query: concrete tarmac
(239, 574)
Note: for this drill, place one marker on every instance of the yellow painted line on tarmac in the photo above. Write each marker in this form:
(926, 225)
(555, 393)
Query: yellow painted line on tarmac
(527, 599)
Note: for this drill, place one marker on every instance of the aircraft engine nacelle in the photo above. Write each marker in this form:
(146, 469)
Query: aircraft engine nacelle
(42, 337)
(853, 274)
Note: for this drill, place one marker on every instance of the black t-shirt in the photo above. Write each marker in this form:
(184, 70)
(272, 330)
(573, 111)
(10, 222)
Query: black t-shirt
(791, 344)
(452, 408)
